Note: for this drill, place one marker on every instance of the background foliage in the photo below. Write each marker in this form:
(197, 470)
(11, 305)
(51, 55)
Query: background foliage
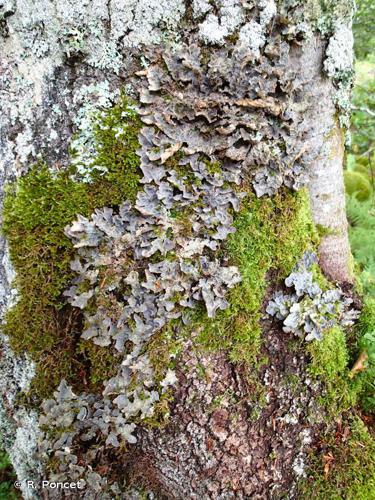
(360, 187)
(363, 28)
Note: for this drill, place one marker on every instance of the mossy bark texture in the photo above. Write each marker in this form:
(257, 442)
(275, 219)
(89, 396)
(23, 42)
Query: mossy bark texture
(167, 163)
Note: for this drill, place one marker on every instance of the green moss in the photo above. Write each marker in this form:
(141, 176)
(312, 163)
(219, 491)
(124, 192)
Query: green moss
(36, 210)
(7, 478)
(350, 466)
(324, 231)
(329, 364)
(213, 167)
(164, 347)
(271, 235)
(366, 321)
(329, 356)
(319, 277)
(116, 135)
(182, 171)
(365, 342)
(102, 362)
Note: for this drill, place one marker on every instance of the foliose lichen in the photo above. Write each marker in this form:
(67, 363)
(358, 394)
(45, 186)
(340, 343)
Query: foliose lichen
(309, 311)
(152, 293)
(36, 211)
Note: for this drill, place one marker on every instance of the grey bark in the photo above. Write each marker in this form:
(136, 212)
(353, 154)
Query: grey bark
(327, 192)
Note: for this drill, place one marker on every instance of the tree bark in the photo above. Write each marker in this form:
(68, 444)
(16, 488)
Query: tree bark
(252, 86)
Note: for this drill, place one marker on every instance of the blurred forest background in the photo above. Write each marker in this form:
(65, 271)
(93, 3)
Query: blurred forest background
(360, 173)
(360, 188)
(360, 184)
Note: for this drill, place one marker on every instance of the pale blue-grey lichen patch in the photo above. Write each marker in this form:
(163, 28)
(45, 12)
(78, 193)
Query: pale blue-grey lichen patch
(91, 100)
(339, 54)
(338, 65)
(126, 299)
(155, 292)
(309, 311)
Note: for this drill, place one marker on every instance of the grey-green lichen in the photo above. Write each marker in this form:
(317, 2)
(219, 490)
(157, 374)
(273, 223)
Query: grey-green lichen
(339, 54)
(128, 308)
(93, 100)
(333, 20)
(338, 65)
(215, 28)
(309, 311)
(20, 434)
(35, 214)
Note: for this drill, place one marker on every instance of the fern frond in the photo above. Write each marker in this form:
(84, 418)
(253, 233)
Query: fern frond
(360, 213)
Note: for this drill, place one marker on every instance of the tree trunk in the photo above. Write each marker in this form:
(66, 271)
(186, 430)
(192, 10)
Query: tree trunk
(237, 108)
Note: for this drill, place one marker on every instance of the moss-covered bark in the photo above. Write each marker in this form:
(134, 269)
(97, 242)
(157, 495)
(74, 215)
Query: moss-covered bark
(36, 211)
